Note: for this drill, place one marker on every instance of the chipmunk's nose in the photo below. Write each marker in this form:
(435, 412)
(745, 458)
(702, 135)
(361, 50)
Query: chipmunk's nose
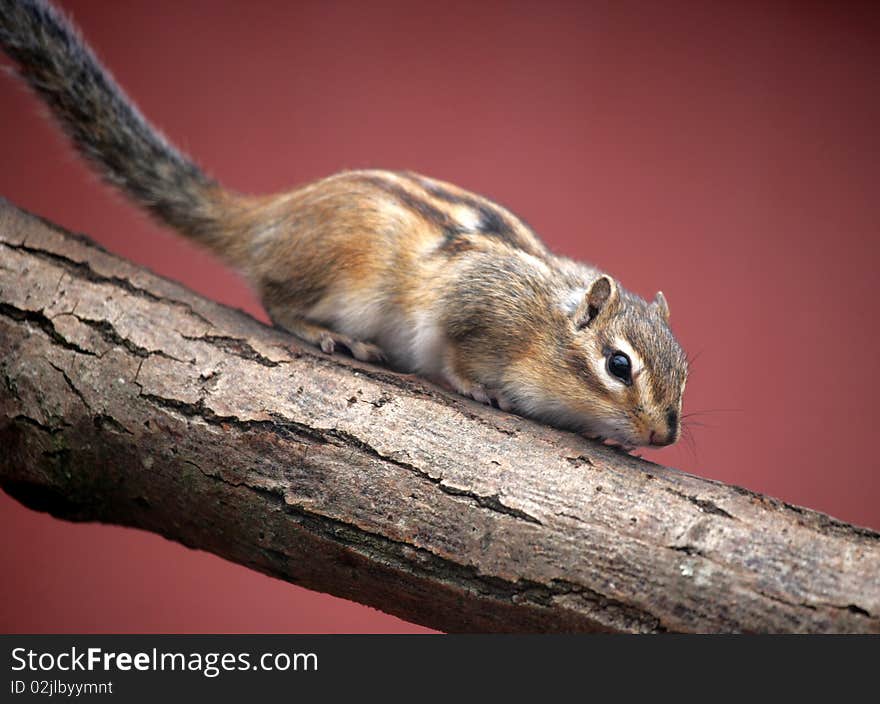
(668, 434)
(660, 439)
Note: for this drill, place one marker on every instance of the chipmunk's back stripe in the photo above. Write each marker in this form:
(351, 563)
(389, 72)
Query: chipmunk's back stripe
(426, 210)
(493, 220)
(490, 221)
(455, 240)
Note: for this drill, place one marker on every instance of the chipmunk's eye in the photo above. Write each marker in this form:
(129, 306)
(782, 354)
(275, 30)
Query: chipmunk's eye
(620, 366)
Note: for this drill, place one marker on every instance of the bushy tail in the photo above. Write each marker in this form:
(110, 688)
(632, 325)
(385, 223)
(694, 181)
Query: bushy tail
(105, 125)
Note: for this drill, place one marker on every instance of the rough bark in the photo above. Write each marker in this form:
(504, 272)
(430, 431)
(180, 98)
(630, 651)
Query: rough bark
(127, 399)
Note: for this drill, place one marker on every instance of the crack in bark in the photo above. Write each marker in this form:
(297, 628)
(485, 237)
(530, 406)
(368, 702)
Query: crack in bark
(812, 606)
(33, 422)
(570, 516)
(825, 524)
(102, 420)
(45, 324)
(110, 335)
(580, 461)
(76, 392)
(705, 505)
(281, 426)
(687, 550)
(491, 503)
(85, 271)
(816, 605)
(234, 346)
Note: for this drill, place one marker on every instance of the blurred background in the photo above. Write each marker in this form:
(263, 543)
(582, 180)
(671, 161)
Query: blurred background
(726, 153)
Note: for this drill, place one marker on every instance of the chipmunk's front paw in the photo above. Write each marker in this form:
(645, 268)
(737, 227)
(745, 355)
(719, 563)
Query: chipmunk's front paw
(364, 351)
(480, 393)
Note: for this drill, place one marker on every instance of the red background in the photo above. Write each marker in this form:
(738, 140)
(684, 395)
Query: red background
(724, 152)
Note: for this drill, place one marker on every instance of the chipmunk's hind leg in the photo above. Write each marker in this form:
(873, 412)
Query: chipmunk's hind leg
(330, 341)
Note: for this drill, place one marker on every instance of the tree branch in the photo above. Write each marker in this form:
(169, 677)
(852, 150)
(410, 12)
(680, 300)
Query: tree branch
(126, 399)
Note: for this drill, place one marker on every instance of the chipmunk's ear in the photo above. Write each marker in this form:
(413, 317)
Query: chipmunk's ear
(661, 305)
(598, 301)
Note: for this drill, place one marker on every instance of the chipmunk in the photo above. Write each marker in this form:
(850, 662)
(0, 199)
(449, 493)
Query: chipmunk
(392, 267)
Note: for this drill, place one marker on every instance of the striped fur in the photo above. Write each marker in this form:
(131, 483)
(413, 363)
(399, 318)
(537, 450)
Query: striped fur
(391, 266)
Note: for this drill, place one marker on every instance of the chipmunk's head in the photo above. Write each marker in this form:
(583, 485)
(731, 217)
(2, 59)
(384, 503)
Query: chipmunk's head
(631, 371)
